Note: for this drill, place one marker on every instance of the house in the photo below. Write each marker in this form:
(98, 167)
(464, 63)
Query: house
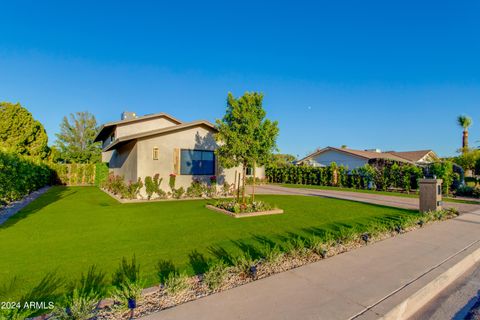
(136, 147)
(357, 158)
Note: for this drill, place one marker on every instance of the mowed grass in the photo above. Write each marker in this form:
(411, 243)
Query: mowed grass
(384, 193)
(70, 228)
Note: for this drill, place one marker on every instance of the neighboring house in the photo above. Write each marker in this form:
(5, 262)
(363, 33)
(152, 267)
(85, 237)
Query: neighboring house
(357, 158)
(137, 147)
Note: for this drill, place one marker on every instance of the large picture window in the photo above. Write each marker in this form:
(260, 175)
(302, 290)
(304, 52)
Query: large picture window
(197, 162)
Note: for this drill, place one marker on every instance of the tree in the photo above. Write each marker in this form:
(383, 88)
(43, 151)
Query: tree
(468, 160)
(75, 140)
(280, 159)
(465, 122)
(245, 136)
(20, 133)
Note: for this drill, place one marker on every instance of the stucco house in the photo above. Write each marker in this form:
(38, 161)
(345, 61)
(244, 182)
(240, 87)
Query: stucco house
(136, 147)
(357, 158)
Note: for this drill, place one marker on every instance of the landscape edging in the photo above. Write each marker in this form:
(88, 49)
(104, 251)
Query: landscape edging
(245, 215)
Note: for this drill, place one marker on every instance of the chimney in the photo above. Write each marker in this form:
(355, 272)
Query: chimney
(126, 115)
(374, 150)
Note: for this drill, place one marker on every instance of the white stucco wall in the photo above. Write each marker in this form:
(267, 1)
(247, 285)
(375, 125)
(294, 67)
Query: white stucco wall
(339, 158)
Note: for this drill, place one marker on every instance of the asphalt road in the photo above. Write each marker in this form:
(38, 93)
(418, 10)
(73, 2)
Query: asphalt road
(456, 301)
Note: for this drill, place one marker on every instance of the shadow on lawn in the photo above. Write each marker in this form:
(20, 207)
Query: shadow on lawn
(54, 194)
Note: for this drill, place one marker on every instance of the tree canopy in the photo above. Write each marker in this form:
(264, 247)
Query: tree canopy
(20, 133)
(245, 136)
(464, 121)
(75, 140)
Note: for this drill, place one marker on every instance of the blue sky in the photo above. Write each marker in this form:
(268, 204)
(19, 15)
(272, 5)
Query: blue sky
(368, 74)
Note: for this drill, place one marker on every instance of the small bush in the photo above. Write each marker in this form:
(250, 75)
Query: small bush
(296, 247)
(317, 246)
(243, 264)
(126, 272)
(216, 274)
(178, 193)
(272, 254)
(196, 189)
(127, 291)
(176, 282)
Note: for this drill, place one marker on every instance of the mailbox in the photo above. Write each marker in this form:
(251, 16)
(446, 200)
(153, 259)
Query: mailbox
(430, 194)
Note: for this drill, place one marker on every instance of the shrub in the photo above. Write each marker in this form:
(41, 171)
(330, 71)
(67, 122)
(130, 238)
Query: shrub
(21, 175)
(176, 282)
(132, 190)
(244, 263)
(126, 272)
(178, 193)
(272, 254)
(127, 282)
(127, 291)
(216, 274)
(296, 247)
(196, 189)
(77, 306)
(101, 173)
(317, 246)
(171, 181)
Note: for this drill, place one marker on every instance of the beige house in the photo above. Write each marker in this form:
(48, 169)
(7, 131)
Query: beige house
(137, 147)
(352, 158)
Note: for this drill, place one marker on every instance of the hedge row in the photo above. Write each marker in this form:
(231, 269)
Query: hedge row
(381, 176)
(20, 175)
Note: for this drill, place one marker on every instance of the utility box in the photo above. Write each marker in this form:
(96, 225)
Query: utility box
(430, 194)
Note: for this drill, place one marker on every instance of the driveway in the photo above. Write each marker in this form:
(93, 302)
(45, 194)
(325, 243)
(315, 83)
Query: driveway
(392, 201)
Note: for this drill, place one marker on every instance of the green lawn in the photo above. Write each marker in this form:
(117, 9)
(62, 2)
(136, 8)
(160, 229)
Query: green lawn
(386, 193)
(70, 228)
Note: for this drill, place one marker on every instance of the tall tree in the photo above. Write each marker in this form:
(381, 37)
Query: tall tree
(20, 132)
(465, 122)
(245, 136)
(283, 159)
(75, 140)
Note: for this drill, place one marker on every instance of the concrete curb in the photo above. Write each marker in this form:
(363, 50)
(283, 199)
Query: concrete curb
(415, 302)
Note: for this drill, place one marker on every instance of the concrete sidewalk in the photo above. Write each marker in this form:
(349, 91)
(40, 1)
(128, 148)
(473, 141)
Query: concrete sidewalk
(364, 283)
(393, 201)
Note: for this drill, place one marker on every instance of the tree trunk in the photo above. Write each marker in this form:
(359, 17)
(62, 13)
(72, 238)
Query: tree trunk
(238, 187)
(253, 184)
(465, 141)
(243, 183)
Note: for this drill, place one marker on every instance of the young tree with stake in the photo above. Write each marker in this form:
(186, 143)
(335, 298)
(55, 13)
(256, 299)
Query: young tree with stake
(245, 136)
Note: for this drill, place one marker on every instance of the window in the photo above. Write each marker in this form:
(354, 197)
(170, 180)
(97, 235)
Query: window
(249, 171)
(155, 153)
(197, 162)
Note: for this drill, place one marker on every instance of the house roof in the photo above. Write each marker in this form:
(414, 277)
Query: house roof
(125, 139)
(413, 156)
(108, 127)
(359, 153)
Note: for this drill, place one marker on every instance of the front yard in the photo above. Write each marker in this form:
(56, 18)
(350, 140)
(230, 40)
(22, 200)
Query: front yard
(70, 228)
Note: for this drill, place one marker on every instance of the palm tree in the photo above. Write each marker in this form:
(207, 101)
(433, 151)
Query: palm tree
(464, 122)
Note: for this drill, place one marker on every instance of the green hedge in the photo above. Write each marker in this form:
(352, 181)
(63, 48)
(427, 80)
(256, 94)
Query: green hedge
(21, 175)
(75, 174)
(382, 175)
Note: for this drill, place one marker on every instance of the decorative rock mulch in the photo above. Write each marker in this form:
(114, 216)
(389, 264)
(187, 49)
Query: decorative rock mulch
(158, 299)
